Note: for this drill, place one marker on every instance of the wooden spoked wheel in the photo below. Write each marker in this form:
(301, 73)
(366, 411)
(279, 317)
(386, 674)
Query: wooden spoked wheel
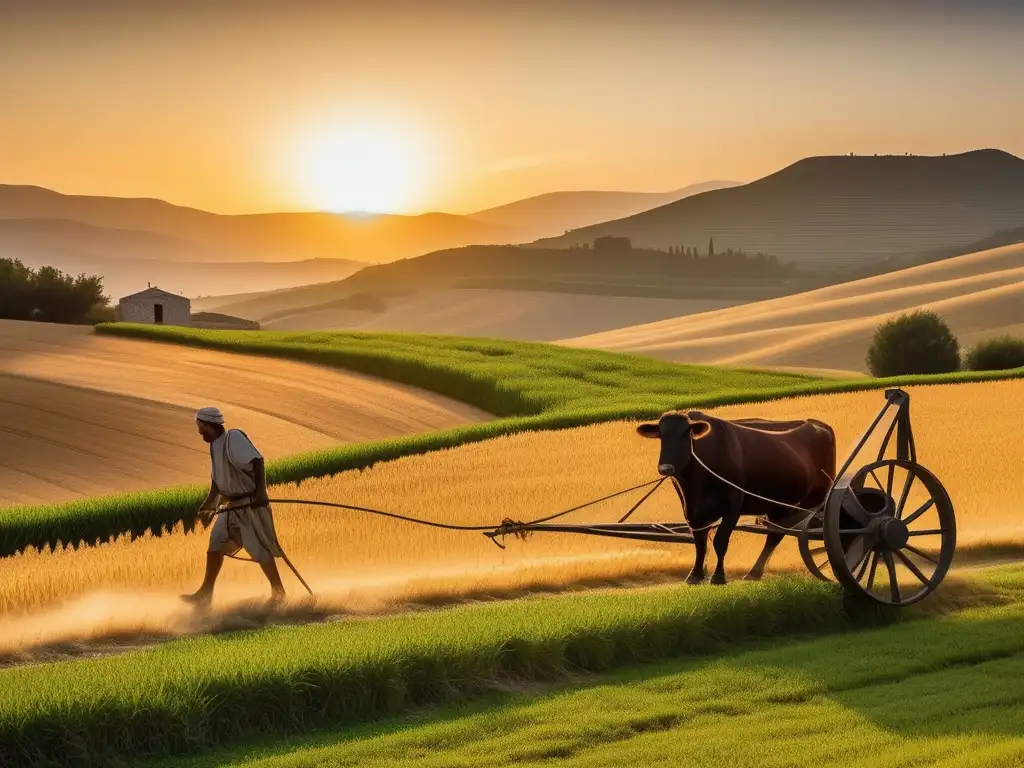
(890, 533)
(812, 546)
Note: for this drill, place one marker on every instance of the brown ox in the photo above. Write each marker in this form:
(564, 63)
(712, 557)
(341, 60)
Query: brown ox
(789, 461)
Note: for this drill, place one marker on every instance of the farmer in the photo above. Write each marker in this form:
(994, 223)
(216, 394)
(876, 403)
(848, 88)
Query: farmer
(239, 484)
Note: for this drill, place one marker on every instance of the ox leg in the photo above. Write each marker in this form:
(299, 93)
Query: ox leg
(722, 536)
(700, 553)
(771, 541)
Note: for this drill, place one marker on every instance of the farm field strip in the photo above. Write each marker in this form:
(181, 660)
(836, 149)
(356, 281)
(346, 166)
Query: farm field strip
(360, 563)
(506, 378)
(944, 692)
(85, 414)
(563, 388)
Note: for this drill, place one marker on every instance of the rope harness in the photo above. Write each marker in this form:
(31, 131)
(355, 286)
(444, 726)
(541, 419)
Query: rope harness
(516, 528)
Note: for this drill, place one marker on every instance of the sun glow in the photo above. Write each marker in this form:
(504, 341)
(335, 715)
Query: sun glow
(364, 167)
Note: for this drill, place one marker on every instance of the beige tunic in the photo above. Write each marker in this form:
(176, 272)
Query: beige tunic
(231, 457)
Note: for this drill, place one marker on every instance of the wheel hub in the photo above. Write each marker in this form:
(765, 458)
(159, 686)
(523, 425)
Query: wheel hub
(893, 533)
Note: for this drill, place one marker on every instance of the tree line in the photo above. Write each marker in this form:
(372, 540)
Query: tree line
(711, 263)
(48, 295)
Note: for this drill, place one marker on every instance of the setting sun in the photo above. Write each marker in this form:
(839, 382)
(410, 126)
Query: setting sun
(363, 167)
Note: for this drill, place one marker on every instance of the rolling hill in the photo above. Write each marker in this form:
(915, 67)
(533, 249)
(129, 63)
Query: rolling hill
(552, 213)
(471, 289)
(825, 212)
(495, 313)
(980, 295)
(83, 414)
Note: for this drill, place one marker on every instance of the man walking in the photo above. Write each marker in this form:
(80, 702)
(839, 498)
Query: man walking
(239, 483)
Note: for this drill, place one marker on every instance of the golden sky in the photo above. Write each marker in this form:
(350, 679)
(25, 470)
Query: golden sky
(237, 107)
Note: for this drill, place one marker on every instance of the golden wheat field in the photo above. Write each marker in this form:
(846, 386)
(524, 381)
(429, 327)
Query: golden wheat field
(967, 434)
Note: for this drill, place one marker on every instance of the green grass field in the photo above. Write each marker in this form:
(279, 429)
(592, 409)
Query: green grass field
(943, 692)
(533, 386)
(190, 695)
(225, 689)
(506, 378)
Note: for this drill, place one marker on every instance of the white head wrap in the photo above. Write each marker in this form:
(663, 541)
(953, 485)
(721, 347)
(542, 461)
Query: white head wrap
(210, 415)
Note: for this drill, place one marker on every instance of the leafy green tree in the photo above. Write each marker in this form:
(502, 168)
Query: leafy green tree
(47, 294)
(999, 354)
(914, 343)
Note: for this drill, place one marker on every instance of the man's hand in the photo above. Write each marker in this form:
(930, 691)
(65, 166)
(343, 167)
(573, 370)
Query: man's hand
(208, 507)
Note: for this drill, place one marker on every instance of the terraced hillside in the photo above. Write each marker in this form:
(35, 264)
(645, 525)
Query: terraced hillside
(82, 414)
(980, 295)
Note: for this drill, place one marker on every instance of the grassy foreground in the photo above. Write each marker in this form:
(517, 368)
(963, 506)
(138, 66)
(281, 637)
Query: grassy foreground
(542, 386)
(222, 689)
(944, 692)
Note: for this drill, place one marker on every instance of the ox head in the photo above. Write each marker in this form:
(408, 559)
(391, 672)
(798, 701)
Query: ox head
(675, 431)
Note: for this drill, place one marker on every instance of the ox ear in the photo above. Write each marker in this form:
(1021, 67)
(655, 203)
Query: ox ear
(649, 430)
(699, 429)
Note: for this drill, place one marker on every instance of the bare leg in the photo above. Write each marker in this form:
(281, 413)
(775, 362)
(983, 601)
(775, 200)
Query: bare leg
(700, 552)
(274, 577)
(214, 561)
(722, 536)
(771, 541)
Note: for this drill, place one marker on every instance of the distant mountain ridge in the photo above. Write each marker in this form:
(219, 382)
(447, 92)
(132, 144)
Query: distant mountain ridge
(203, 236)
(135, 241)
(838, 210)
(261, 236)
(552, 213)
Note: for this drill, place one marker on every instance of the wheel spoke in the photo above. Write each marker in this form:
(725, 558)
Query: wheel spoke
(924, 508)
(929, 532)
(816, 551)
(922, 554)
(894, 586)
(877, 481)
(904, 495)
(911, 567)
(855, 552)
(871, 573)
(888, 485)
(863, 565)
